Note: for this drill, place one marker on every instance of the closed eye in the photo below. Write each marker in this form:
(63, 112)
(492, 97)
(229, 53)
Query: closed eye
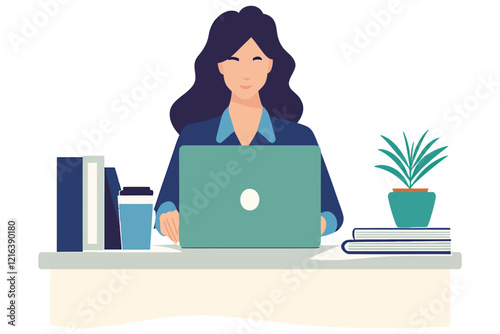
(233, 58)
(257, 58)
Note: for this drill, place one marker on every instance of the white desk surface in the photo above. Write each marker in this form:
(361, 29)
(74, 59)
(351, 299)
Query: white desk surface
(174, 257)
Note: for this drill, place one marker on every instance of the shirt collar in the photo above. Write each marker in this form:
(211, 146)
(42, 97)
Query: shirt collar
(226, 126)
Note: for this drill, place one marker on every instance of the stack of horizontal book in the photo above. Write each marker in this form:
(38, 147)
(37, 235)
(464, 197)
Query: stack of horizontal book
(399, 241)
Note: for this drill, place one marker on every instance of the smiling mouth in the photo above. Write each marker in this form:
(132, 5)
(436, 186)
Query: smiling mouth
(245, 87)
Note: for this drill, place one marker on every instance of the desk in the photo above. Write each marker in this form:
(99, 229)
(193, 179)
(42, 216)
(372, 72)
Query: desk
(102, 288)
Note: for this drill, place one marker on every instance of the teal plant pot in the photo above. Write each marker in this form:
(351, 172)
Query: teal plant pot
(412, 209)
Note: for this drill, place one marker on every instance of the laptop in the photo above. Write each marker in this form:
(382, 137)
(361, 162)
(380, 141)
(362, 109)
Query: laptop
(249, 196)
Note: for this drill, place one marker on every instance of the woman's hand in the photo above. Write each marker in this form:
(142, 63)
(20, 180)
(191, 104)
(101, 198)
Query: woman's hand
(169, 225)
(323, 225)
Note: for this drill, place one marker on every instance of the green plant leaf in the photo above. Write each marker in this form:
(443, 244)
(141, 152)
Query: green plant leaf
(412, 156)
(394, 172)
(407, 150)
(396, 149)
(419, 143)
(432, 165)
(425, 149)
(397, 161)
(425, 160)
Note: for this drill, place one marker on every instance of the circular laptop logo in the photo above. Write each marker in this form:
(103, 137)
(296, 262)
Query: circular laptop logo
(249, 199)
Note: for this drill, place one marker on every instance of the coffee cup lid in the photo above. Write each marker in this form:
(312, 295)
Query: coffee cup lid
(136, 191)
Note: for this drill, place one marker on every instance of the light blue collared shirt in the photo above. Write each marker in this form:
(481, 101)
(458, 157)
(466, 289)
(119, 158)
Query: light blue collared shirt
(267, 131)
(226, 126)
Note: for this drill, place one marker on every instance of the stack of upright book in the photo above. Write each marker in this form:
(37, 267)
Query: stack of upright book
(399, 241)
(87, 205)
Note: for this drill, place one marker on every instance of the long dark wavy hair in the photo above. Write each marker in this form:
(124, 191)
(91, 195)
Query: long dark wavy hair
(209, 95)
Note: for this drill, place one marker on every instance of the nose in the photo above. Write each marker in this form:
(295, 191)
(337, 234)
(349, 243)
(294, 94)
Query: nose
(246, 78)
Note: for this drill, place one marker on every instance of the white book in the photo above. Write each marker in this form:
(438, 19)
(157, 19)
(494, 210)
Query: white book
(93, 203)
(412, 233)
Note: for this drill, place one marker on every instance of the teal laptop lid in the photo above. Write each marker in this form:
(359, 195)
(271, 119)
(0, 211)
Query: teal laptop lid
(249, 196)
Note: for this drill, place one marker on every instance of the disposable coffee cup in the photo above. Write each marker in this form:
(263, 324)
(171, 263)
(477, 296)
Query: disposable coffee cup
(135, 206)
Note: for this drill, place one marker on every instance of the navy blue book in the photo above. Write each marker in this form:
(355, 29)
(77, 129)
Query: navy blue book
(69, 204)
(112, 236)
(419, 246)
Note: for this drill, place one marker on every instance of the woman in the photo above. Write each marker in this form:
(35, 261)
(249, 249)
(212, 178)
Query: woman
(240, 96)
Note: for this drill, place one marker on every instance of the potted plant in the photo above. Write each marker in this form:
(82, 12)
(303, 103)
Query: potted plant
(411, 207)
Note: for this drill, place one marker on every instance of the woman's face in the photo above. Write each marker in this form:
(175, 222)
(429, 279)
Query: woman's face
(245, 72)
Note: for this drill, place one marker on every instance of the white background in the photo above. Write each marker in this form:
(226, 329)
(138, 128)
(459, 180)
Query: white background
(65, 78)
